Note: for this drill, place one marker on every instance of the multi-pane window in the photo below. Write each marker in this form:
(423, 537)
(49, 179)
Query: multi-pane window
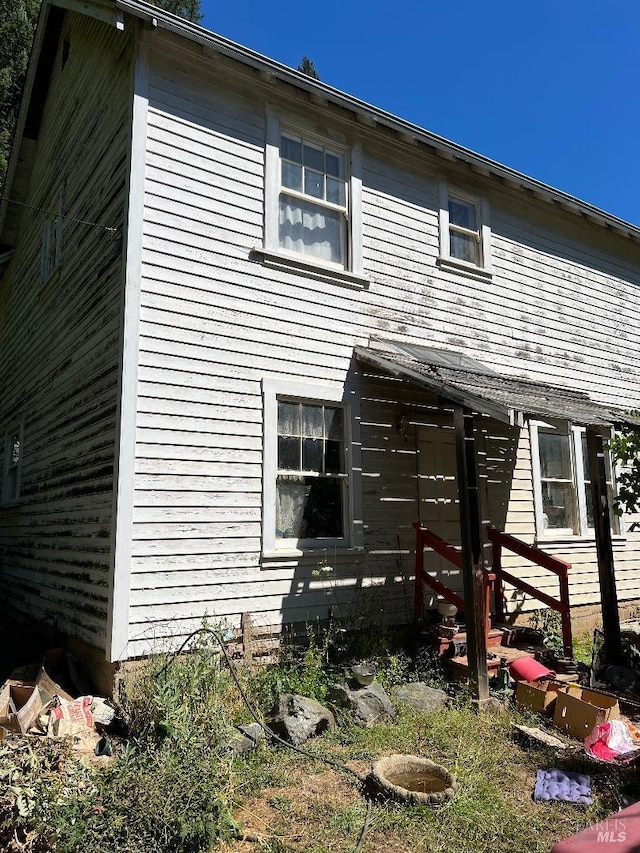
(311, 472)
(585, 486)
(11, 474)
(564, 503)
(313, 202)
(464, 231)
(557, 481)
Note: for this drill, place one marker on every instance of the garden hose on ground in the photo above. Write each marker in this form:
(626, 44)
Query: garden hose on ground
(337, 765)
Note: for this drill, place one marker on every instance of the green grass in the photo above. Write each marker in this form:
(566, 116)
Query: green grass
(583, 647)
(492, 810)
(171, 788)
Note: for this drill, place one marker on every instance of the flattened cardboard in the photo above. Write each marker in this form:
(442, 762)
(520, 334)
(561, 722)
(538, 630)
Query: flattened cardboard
(580, 709)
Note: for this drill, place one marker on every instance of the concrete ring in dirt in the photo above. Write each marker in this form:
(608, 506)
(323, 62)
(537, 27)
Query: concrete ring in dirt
(411, 779)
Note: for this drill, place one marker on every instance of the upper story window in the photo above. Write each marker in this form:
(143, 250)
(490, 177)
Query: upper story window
(561, 481)
(465, 234)
(313, 208)
(464, 230)
(12, 465)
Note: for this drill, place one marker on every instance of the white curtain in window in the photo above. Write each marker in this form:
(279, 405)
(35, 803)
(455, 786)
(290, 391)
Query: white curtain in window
(291, 503)
(311, 230)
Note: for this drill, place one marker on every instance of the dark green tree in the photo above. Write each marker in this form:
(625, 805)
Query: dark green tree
(188, 9)
(307, 67)
(17, 24)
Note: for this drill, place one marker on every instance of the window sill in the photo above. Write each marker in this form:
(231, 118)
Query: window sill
(471, 270)
(310, 555)
(282, 261)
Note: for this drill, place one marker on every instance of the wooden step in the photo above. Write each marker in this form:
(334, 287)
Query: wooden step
(459, 667)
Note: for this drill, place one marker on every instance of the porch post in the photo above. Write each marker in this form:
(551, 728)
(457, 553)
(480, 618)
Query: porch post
(472, 570)
(604, 547)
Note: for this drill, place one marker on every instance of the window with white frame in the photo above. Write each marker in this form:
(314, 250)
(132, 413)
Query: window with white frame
(12, 464)
(561, 480)
(312, 200)
(465, 234)
(313, 210)
(308, 498)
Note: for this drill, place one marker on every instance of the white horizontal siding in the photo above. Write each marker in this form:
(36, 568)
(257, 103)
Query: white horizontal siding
(214, 323)
(60, 343)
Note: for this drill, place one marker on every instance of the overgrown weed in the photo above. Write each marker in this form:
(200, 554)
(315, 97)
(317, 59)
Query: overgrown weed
(174, 787)
(169, 788)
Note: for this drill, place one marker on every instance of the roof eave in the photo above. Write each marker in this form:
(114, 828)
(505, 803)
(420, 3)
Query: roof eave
(371, 114)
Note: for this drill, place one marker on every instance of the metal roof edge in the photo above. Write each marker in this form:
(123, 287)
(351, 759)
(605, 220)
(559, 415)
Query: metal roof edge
(236, 51)
(514, 413)
(455, 395)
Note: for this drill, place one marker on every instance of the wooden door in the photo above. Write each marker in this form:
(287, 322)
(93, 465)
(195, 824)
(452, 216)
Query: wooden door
(439, 505)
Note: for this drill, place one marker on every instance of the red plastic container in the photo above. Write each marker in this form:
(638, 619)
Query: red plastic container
(529, 669)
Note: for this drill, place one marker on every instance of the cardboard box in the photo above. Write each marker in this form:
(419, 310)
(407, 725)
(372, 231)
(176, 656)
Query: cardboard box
(538, 696)
(22, 701)
(579, 710)
(20, 705)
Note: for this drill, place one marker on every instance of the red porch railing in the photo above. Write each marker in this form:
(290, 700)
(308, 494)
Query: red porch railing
(426, 538)
(559, 567)
(498, 576)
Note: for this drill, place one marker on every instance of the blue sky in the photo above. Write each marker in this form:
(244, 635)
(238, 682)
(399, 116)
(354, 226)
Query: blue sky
(551, 89)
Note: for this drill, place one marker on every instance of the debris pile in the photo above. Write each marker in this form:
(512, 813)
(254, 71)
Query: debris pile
(34, 703)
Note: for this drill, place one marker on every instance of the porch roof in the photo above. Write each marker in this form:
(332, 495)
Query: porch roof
(457, 378)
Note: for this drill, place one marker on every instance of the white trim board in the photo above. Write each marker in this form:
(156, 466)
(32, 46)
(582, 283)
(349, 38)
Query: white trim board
(122, 529)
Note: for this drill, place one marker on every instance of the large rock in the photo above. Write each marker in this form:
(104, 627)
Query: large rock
(422, 697)
(297, 718)
(368, 705)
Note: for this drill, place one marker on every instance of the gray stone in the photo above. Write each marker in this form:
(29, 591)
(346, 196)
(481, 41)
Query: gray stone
(491, 705)
(297, 718)
(247, 739)
(422, 697)
(368, 705)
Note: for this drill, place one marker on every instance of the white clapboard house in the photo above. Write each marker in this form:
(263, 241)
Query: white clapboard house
(240, 312)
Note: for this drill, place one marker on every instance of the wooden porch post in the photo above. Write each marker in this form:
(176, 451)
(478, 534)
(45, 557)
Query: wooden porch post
(472, 570)
(604, 547)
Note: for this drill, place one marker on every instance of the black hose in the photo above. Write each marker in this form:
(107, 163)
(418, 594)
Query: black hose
(338, 765)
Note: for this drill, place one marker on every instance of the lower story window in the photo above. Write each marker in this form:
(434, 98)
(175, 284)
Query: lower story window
(11, 467)
(311, 476)
(561, 480)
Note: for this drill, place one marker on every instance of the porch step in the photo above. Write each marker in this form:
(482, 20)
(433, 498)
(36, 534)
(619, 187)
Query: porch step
(494, 638)
(459, 667)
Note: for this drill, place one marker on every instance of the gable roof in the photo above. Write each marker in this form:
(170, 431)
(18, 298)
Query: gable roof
(113, 11)
(370, 115)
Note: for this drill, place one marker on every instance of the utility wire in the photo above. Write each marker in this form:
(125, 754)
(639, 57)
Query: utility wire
(70, 218)
(269, 732)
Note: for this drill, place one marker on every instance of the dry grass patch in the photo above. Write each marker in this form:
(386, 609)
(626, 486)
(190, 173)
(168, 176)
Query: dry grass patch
(307, 809)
